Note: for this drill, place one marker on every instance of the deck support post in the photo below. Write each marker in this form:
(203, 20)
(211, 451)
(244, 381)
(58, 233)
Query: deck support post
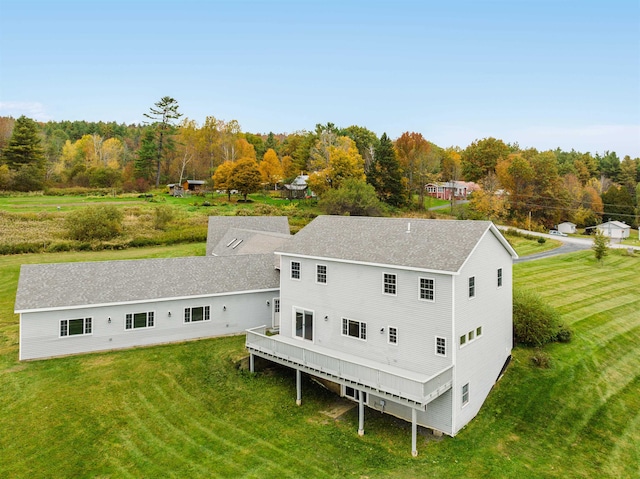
(360, 413)
(251, 363)
(414, 432)
(298, 387)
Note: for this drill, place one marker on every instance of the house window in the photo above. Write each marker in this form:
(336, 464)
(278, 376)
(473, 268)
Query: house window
(472, 287)
(75, 327)
(353, 328)
(427, 289)
(304, 324)
(295, 270)
(321, 274)
(463, 340)
(139, 320)
(393, 335)
(471, 335)
(354, 394)
(465, 394)
(389, 283)
(499, 277)
(201, 313)
(441, 346)
(276, 305)
(479, 331)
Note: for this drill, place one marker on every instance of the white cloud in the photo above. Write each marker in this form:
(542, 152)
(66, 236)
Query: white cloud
(31, 109)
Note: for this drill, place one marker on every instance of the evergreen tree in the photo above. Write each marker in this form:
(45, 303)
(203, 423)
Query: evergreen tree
(25, 146)
(385, 175)
(163, 116)
(25, 156)
(147, 154)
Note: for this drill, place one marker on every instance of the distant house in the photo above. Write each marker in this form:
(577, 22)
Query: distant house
(567, 227)
(616, 230)
(297, 189)
(194, 186)
(409, 317)
(459, 190)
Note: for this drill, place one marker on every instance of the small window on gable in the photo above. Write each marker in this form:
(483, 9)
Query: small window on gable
(472, 287)
(427, 289)
(465, 394)
(321, 274)
(479, 331)
(389, 283)
(499, 277)
(295, 270)
(441, 346)
(393, 335)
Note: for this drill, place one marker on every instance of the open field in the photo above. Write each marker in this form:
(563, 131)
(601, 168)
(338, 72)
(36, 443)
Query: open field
(185, 410)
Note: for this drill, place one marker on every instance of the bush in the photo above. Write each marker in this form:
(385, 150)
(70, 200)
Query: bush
(541, 359)
(534, 322)
(162, 216)
(542, 240)
(354, 197)
(101, 222)
(564, 334)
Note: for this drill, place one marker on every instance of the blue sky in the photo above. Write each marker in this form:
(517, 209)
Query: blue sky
(545, 74)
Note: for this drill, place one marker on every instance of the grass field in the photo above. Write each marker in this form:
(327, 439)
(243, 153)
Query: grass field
(185, 410)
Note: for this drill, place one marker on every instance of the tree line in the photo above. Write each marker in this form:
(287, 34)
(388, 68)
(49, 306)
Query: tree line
(522, 185)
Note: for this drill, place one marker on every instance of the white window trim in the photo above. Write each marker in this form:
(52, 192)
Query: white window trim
(360, 323)
(475, 288)
(84, 327)
(291, 270)
(313, 319)
(204, 314)
(436, 346)
(465, 404)
(395, 284)
(389, 328)
(155, 320)
(326, 274)
(420, 290)
(468, 340)
(500, 278)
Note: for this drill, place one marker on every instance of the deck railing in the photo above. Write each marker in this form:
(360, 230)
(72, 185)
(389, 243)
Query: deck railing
(396, 384)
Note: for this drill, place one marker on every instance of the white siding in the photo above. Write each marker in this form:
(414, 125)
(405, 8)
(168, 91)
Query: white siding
(479, 362)
(355, 292)
(39, 331)
(437, 416)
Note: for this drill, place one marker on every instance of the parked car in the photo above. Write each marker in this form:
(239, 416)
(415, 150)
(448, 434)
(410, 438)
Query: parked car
(557, 233)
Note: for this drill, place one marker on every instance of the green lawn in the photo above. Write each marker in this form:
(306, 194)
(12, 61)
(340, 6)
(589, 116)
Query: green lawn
(185, 410)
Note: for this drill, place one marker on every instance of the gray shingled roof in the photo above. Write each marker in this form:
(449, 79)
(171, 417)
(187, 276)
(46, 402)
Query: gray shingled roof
(219, 225)
(45, 286)
(440, 245)
(242, 241)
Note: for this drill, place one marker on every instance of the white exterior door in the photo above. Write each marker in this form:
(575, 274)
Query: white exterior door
(276, 313)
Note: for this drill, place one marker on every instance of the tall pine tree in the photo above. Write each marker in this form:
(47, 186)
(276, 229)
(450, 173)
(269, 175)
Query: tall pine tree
(385, 175)
(163, 115)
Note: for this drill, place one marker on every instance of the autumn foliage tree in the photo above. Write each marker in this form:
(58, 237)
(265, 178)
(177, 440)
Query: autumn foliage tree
(481, 157)
(245, 176)
(270, 168)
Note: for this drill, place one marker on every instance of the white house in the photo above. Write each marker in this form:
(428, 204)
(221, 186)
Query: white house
(567, 227)
(616, 230)
(74, 308)
(410, 317)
